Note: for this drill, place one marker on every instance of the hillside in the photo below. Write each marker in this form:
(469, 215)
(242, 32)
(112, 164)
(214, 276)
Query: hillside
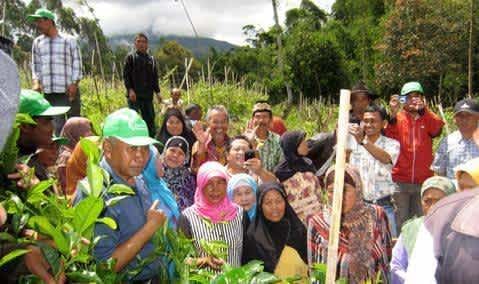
(199, 47)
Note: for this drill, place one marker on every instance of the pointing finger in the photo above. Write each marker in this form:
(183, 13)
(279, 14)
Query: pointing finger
(155, 203)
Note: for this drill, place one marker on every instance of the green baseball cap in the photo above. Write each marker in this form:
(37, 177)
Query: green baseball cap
(127, 126)
(411, 87)
(442, 183)
(34, 104)
(40, 14)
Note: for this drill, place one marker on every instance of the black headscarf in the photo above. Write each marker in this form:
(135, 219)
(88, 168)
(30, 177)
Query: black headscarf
(163, 134)
(265, 240)
(292, 162)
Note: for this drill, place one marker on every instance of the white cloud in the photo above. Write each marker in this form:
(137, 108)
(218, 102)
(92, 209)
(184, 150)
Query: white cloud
(220, 19)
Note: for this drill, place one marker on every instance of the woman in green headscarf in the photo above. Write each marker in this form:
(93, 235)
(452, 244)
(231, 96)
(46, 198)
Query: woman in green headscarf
(433, 189)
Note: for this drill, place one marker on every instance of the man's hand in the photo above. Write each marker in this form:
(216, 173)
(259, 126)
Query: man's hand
(25, 177)
(155, 216)
(38, 265)
(418, 104)
(132, 95)
(201, 135)
(72, 91)
(357, 132)
(213, 262)
(37, 86)
(254, 165)
(394, 105)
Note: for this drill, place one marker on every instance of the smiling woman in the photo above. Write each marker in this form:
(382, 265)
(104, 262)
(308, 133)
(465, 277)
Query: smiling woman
(213, 217)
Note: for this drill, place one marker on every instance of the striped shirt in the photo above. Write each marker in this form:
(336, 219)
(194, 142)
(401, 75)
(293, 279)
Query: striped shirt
(196, 227)
(56, 62)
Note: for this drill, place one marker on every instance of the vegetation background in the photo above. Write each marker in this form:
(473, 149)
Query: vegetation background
(382, 42)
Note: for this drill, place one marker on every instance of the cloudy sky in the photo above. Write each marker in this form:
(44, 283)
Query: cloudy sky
(219, 19)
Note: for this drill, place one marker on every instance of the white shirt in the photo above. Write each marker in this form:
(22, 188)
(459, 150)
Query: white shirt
(375, 175)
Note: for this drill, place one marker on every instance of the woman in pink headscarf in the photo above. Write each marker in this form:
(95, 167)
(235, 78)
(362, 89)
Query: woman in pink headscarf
(213, 217)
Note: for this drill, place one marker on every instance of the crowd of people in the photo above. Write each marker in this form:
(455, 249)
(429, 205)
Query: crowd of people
(408, 213)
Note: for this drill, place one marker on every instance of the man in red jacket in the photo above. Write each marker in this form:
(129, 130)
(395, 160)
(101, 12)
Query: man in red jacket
(414, 127)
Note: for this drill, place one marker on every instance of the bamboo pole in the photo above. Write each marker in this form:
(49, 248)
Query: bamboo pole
(4, 17)
(344, 106)
(470, 52)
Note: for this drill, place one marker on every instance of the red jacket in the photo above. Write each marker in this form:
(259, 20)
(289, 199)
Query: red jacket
(415, 137)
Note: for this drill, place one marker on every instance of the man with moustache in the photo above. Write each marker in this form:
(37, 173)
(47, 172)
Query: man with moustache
(267, 142)
(211, 143)
(374, 155)
(56, 66)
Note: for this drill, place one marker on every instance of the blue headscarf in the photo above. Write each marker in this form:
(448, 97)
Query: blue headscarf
(159, 190)
(239, 180)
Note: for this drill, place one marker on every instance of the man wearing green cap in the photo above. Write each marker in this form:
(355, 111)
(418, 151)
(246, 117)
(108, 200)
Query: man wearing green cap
(414, 127)
(56, 65)
(126, 152)
(40, 134)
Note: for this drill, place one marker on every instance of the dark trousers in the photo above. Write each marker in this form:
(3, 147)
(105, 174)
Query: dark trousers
(408, 202)
(61, 99)
(147, 111)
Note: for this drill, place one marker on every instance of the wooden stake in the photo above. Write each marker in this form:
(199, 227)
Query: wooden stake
(344, 106)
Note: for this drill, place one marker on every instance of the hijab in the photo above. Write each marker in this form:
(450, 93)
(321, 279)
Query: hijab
(74, 129)
(159, 190)
(243, 180)
(180, 179)
(225, 210)
(358, 223)
(163, 135)
(269, 238)
(292, 161)
(411, 228)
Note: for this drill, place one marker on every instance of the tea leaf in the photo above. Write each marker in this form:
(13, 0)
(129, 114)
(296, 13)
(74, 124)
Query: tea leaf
(95, 179)
(86, 213)
(109, 222)
(114, 200)
(43, 225)
(52, 256)
(12, 255)
(120, 189)
(84, 276)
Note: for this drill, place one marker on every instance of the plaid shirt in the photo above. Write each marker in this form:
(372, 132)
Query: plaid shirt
(56, 62)
(453, 151)
(376, 176)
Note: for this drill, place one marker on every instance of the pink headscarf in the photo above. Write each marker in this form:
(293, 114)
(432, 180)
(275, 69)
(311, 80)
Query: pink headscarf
(223, 211)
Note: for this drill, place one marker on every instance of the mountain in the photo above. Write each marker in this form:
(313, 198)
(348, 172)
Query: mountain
(199, 46)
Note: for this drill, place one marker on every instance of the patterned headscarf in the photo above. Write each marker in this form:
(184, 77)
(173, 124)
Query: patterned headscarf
(224, 210)
(243, 180)
(358, 222)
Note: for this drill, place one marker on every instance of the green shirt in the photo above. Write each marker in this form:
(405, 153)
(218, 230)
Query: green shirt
(270, 151)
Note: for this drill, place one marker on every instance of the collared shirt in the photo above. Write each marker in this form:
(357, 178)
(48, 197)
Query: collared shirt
(375, 175)
(214, 153)
(130, 216)
(270, 151)
(453, 151)
(56, 62)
